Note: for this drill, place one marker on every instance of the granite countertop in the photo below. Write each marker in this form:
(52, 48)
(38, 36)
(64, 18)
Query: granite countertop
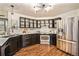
(3, 40)
(38, 33)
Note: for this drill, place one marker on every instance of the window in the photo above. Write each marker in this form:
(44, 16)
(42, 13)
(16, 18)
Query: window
(3, 26)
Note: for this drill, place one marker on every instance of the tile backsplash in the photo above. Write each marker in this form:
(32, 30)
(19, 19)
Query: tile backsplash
(35, 30)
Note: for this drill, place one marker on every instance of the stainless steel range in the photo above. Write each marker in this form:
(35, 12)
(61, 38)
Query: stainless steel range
(44, 39)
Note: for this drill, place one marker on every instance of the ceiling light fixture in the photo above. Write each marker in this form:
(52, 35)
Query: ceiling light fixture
(42, 6)
(12, 7)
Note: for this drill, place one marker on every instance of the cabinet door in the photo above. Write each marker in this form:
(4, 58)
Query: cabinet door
(58, 44)
(64, 46)
(50, 23)
(74, 49)
(31, 23)
(39, 24)
(67, 47)
(34, 23)
(37, 38)
(19, 42)
(55, 23)
(61, 45)
(53, 39)
(26, 40)
(13, 45)
(22, 25)
(70, 48)
(22, 22)
(32, 39)
(42, 23)
(27, 23)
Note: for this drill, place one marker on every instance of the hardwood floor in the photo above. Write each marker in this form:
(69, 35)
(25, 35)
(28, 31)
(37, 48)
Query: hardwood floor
(40, 50)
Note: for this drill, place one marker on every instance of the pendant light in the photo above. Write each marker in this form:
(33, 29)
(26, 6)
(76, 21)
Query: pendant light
(12, 14)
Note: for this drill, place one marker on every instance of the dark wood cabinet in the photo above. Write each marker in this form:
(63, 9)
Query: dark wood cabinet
(22, 22)
(53, 39)
(27, 23)
(15, 44)
(30, 39)
(52, 23)
(35, 38)
(26, 40)
(31, 23)
(19, 42)
(35, 24)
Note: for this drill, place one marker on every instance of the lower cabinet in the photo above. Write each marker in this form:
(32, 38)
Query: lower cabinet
(19, 42)
(5, 49)
(53, 39)
(11, 46)
(15, 44)
(26, 40)
(74, 49)
(30, 39)
(67, 46)
(35, 38)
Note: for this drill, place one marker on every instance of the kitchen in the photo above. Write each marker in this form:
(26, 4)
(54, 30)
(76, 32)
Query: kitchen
(26, 33)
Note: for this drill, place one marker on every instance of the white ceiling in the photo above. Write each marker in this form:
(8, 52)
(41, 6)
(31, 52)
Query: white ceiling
(28, 10)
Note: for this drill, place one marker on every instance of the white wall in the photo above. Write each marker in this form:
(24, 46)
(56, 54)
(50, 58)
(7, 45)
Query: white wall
(5, 13)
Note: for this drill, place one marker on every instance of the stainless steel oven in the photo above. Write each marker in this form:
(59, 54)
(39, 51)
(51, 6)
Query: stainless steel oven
(44, 39)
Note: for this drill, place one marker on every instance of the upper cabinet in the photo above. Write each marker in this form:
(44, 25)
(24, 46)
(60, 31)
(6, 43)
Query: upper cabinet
(22, 22)
(35, 23)
(31, 23)
(38, 24)
(26, 23)
(51, 23)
